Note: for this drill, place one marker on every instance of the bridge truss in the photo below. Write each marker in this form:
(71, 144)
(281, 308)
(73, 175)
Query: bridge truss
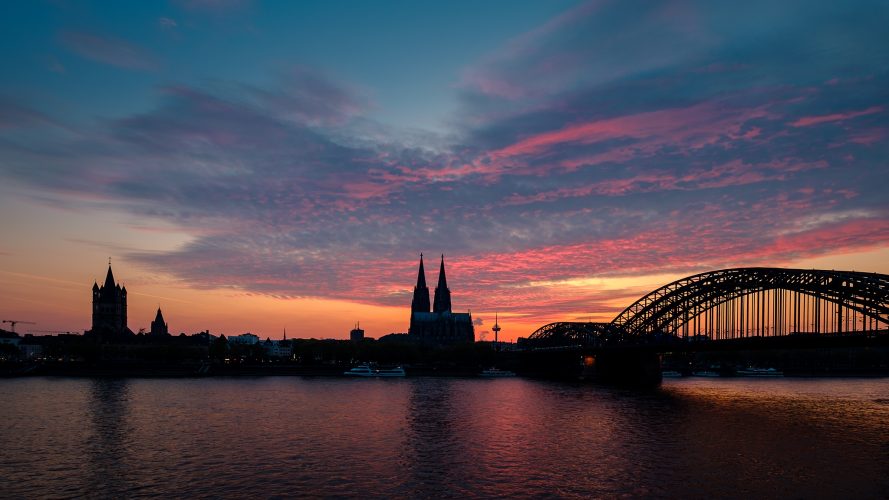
(740, 303)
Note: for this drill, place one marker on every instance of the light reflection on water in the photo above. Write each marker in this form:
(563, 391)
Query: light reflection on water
(429, 437)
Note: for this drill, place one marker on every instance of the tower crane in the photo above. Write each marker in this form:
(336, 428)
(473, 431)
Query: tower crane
(14, 322)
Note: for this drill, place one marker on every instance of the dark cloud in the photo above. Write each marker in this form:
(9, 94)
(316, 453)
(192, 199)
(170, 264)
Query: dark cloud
(109, 50)
(16, 115)
(309, 97)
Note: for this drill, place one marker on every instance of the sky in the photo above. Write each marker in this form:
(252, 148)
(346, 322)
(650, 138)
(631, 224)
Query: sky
(255, 166)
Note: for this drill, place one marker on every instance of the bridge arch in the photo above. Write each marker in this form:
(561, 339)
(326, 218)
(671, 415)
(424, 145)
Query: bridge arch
(670, 308)
(561, 334)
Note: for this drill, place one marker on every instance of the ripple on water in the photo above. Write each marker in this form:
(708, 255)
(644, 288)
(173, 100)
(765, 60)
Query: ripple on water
(429, 437)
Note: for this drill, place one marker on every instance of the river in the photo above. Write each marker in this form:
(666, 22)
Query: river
(440, 437)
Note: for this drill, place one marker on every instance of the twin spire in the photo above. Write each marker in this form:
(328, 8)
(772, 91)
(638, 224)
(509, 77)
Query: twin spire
(442, 302)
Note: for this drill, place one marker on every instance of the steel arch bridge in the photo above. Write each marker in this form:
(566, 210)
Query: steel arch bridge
(739, 303)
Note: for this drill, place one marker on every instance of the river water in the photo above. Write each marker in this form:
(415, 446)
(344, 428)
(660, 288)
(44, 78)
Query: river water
(438, 437)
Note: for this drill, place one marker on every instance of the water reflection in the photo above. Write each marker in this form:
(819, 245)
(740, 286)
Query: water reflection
(107, 457)
(792, 438)
(420, 438)
(432, 448)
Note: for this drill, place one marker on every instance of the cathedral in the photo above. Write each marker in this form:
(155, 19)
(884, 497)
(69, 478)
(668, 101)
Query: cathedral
(441, 326)
(110, 307)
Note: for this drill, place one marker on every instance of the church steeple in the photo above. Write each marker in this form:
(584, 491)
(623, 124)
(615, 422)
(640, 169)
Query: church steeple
(159, 326)
(442, 301)
(420, 302)
(109, 306)
(109, 278)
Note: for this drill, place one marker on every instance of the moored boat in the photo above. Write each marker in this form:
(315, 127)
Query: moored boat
(496, 372)
(759, 372)
(391, 372)
(364, 370)
(360, 371)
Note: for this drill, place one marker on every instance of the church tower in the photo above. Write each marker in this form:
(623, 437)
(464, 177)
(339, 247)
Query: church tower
(442, 301)
(158, 326)
(420, 302)
(109, 306)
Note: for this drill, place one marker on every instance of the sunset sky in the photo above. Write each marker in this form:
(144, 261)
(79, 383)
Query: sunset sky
(255, 166)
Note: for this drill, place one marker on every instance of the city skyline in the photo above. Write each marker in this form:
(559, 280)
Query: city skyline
(256, 166)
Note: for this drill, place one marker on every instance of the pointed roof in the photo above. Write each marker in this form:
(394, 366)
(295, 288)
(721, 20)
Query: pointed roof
(442, 280)
(442, 301)
(420, 301)
(160, 317)
(109, 278)
(421, 275)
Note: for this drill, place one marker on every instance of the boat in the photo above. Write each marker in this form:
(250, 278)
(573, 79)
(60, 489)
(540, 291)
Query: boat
(496, 372)
(705, 373)
(391, 372)
(759, 372)
(670, 374)
(365, 370)
(360, 371)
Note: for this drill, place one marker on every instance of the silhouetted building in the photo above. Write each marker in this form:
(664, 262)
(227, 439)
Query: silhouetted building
(244, 339)
(110, 307)
(441, 325)
(158, 327)
(10, 338)
(357, 333)
(277, 348)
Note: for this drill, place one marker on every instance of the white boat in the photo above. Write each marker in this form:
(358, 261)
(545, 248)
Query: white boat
(360, 371)
(366, 371)
(759, 372)
(391, 372)
(496, 372)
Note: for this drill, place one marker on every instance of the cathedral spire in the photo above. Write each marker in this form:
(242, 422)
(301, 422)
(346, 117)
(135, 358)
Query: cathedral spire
(420, 302)
(421, 275)
(442, 301)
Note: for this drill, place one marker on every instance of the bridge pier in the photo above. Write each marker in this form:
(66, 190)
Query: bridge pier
(627, 367)
(630, 367)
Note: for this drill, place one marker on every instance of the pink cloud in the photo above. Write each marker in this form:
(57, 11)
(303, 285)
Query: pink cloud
(733, 173)
(808, 121)
(695, 126)
(491, 85)
(687, 128)
(869, 136)
(670, 249)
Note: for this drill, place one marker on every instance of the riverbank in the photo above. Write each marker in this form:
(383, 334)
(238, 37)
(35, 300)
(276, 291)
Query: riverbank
(192, 370)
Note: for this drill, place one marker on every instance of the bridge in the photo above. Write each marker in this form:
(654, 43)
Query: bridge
(725, 309)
